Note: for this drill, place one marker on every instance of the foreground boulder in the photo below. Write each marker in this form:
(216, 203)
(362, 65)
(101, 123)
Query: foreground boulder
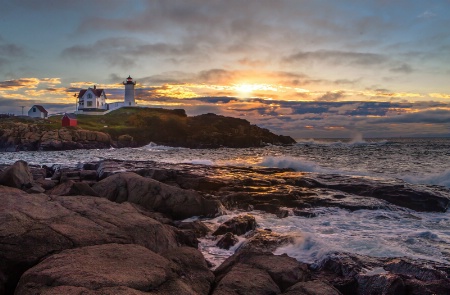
(117, 269)
(17, 175)
(35, 226)
(258, 273)
(157, 196)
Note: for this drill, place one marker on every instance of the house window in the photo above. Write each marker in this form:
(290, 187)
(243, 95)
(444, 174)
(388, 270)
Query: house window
(89, 103)
(89, 95)
(34, 110)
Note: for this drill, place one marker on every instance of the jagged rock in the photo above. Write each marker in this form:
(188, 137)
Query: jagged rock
(115, 268)
(35, 189)
(35, 226)
(154, 195)
(227, 241)
(191, 266)
(17, 175)
(70, 188)
(312, 288)
(279, 273)
(238, 225)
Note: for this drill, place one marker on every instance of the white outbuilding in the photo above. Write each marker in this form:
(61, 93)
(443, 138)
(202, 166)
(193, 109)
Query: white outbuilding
(38, 111)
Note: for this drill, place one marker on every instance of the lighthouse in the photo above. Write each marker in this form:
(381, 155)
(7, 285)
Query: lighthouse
(129, 92)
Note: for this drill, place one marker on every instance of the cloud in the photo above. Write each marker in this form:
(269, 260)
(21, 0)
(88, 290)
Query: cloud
(337, 57)
(403, 68)
(429, 116)
(331, 96)
(19, 83)
(125, 52)
(426, 15)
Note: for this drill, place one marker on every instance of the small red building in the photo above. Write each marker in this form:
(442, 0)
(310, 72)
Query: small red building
(69, 120)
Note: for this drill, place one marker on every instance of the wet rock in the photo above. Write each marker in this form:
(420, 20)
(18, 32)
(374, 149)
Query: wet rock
(154, 195)
(35, 226)
(416, 197)
(282, 270)
(17, 175)
(266, 240)
(227, 241)
(238, 225)
(115, 268)
(358, 274)
(388, 284)
(312, 288)
(197, 227)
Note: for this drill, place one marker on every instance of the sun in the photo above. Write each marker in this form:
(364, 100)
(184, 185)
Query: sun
(245, 88)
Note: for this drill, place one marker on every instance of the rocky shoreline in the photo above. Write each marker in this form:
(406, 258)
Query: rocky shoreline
(126, 128)
(115, 227)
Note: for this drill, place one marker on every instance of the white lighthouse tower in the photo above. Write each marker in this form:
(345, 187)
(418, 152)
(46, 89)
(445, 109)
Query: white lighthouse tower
(129, 92)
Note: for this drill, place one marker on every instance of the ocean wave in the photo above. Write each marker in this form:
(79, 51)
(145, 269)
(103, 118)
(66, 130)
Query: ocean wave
(155, 147)
(298, 164)
(199, 162)
(341, 144)
(442, 178)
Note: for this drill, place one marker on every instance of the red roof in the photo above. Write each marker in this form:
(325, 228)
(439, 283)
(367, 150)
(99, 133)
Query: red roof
(96, 91)
(70, 116)
(41, 108)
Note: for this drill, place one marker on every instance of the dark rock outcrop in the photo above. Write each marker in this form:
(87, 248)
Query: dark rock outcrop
(157, 196)
(358, 274)
(238, 225)
(197, 227)
(227, 241)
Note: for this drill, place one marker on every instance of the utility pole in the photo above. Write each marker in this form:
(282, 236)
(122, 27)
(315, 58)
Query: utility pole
(22, 109)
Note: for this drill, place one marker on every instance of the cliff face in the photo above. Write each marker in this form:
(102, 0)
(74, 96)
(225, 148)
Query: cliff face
(32, 137)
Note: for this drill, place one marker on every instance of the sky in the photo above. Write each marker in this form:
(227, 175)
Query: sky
(308, 69)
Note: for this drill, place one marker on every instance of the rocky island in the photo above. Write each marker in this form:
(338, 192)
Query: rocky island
(115, 227)
(134, 127)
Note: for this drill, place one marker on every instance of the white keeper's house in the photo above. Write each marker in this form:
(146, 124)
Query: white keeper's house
(93, 100)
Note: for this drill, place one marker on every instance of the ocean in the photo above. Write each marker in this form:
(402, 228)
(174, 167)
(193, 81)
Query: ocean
(378, 233)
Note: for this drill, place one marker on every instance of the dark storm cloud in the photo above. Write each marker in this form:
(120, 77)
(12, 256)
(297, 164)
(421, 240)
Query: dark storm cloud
(431, 117)
(331, 96)
(337, 57)
(19, 83)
